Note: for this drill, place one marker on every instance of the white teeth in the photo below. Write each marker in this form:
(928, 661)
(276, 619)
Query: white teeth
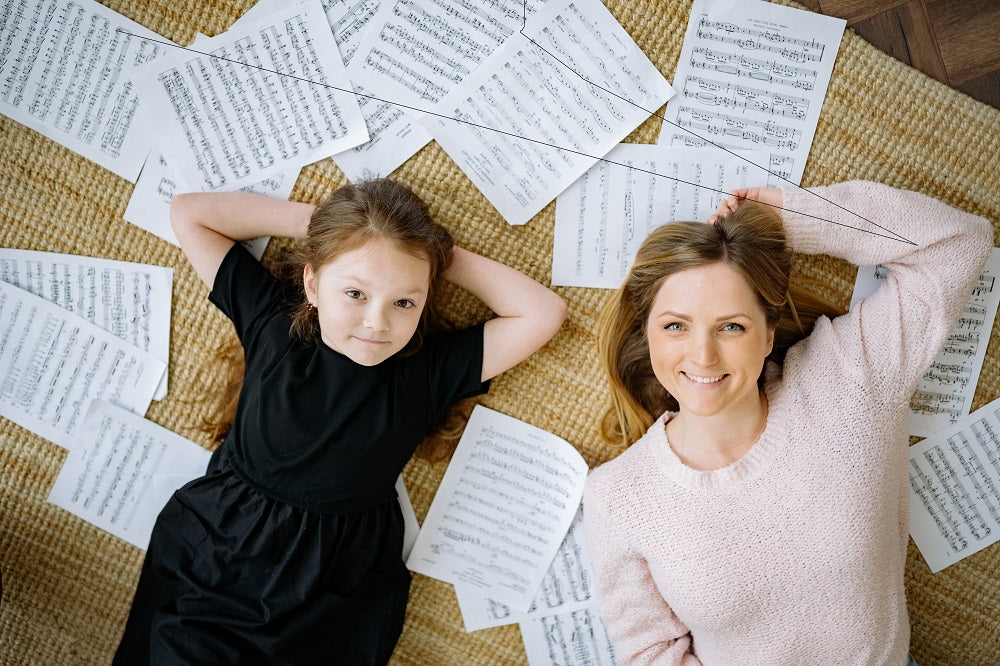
(704, 380)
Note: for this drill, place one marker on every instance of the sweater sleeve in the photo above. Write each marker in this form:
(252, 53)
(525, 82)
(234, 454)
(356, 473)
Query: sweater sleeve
(642, 627)
(894, 334)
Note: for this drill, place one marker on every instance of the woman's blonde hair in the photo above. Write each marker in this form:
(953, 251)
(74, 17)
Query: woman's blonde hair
(378, 209)
(752, 240)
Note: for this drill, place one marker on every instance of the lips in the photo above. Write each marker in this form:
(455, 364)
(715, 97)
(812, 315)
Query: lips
(371, 342)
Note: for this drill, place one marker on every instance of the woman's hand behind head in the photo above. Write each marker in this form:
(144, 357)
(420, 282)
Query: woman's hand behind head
(765, 195)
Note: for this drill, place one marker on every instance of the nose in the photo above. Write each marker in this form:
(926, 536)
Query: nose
(375, 318)
(705, 350)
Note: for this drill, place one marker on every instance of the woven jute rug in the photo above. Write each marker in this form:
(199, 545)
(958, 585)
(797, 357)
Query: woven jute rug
(67, 585)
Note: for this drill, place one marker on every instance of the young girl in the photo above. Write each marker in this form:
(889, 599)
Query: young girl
(762, 517)
(288, 550)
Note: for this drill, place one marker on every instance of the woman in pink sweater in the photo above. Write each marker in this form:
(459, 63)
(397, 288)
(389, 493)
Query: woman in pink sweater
(762, 518)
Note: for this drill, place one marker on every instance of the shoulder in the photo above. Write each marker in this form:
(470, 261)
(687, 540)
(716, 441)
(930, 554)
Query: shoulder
(632, 466)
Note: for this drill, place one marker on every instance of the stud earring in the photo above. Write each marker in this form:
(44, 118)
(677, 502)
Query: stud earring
(310, 307)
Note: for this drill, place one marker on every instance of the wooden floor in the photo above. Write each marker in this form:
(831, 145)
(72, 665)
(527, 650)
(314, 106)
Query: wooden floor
(955, 41)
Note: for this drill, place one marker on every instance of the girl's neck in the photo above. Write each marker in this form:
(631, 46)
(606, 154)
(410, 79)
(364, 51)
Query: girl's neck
(713, 442)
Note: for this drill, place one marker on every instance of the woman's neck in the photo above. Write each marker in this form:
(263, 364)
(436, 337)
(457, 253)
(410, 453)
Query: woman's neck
(713, 442)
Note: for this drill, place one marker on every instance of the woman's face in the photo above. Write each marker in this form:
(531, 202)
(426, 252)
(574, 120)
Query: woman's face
(708, 338)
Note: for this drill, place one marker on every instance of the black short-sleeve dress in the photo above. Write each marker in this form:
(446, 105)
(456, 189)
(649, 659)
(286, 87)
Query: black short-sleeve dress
(288, 550)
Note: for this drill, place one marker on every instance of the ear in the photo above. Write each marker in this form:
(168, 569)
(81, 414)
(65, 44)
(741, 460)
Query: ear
(309, 279)
(770, 339)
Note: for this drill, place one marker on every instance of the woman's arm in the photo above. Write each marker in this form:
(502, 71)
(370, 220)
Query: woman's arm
(528, 314)
(208, 223)
(641, 626)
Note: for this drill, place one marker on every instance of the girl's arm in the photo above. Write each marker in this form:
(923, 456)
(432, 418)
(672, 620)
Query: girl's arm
(208, 223)
(528, 314)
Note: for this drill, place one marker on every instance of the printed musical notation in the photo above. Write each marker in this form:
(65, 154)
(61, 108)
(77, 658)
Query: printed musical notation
(955, 488)
(531, 87)
(573, 637)
(231, 125)
(67, 72)
(122, 469)
(603, 217)
(502, 510)
(791, 52)
(944, 393)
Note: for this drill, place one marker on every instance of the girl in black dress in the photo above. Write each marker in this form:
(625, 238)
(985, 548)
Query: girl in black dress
(288, 550)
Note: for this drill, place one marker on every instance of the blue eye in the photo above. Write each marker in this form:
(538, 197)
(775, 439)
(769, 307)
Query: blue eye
(674, 326)
(733, 327)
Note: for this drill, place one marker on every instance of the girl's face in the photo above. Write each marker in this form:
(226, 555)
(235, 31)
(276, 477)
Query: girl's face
(708, 336)
(369, 300)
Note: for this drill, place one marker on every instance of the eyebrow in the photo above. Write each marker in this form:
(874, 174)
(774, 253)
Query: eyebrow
(365, 284)
(684, 317)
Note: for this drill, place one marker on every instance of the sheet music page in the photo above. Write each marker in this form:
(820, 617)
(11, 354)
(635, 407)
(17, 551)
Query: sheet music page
(132, 301)
(230, 124)
(110, 476)
(534, 89)
(149, 205)
(944, 394)
(955, 488)
(410, 525)
(53, 363)
(67, 72)
(573, 638)
(753, 75)
(393, 136)
(568, 585)
(603, 217)
(505, 504)
(416, 51)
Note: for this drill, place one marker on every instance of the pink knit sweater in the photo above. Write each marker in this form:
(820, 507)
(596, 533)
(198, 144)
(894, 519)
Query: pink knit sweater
(794, 554)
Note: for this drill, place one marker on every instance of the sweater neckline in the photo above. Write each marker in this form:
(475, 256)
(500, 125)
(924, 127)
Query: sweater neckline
(757, 460)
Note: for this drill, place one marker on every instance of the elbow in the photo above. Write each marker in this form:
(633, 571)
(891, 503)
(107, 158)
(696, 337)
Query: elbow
(181, 213)
(556, 311)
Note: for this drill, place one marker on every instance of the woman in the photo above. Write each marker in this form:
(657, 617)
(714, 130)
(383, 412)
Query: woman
(762, 517)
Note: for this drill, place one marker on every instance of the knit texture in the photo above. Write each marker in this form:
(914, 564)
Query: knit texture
(795, 553)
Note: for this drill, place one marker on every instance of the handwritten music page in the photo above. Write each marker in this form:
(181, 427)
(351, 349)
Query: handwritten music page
(149, 205)
(753, 75)
(416, 51)
(567, 586)
(234, 124)
(525, 125)
(955, 488)
(571, 638)
(505, 504)
(110, 476)
(67, 73)
(53, 363)
(131, 301)
(393, 136)
(944, 394)
(603, 217)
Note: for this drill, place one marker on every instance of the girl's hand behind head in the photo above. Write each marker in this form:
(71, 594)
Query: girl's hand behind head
(765, 195)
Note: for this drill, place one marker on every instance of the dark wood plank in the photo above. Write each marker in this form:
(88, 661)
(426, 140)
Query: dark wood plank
(855, 11)
(904, 32)
(985, 88)
(968, 36)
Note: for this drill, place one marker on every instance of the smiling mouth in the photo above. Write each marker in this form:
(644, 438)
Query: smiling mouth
(701, 379)
(371, 342)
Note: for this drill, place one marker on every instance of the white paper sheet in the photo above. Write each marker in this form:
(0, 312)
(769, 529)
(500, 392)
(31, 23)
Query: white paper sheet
(410, 525)
(122, 469)
(568, 585)
(944, 394)
(230, 124)
(603, 217)
(573, 638)
(393, 136)
(535, 90)
(503, 507)
(955, 488)
(53, 363)
(753, 75)
(132, 301)
(149, 205)
(418, 50)
(67, 72)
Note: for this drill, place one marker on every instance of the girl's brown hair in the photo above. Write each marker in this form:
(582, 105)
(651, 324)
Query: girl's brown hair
(378, 209)
(752, 240)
